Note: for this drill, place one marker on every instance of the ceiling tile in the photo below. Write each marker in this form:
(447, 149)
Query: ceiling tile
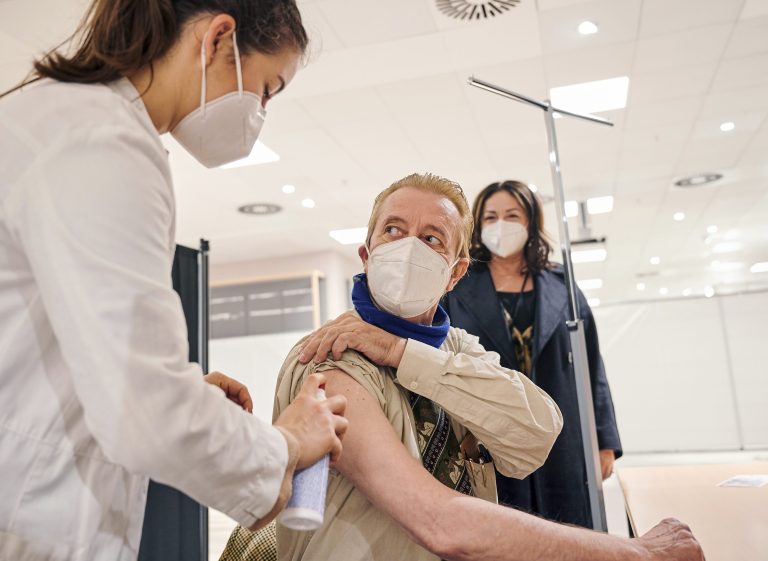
(589, 64)
(741, 73)
(617, 22)
(665, 16)
(692, 46)
(394, 19)
(753, 9)
(660, 114)
(749, 37)
(671, 83)
(322, 37)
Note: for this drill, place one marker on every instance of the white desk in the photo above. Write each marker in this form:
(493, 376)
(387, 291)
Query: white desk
(731, 523)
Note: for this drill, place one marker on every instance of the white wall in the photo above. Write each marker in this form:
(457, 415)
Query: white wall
(688, 375)
(255, 361)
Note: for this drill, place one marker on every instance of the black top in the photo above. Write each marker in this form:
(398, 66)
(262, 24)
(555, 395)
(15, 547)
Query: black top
(519, 314)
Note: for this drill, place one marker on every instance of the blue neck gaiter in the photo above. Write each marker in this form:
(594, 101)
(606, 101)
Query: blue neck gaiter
(433, 335)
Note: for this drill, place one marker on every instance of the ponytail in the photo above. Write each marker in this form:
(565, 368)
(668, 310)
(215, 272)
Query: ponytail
(119, 37)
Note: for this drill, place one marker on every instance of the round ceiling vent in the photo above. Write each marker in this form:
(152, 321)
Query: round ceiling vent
(260, 209)
(475, 9)
(698, 180)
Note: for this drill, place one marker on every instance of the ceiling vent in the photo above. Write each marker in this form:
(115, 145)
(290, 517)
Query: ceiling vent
(475, 9)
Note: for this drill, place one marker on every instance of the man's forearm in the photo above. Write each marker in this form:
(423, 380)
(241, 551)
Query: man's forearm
(476, 529)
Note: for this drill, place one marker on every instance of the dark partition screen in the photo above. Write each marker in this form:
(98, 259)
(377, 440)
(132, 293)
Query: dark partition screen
(175, 526)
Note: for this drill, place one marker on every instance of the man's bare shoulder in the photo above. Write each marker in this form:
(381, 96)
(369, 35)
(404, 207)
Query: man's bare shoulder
(376, 380)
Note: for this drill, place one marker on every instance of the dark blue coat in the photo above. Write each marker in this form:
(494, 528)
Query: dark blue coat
(557, 490)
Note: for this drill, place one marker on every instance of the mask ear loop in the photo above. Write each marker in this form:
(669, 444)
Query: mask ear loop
(202, 66)
(238, 67)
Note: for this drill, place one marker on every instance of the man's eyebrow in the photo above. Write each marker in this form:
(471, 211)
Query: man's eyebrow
(394, 218)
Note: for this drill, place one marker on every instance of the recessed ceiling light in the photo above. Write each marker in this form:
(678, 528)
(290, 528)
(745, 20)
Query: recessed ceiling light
(571, 209)
(698, 180)
(727, 126)
(640, 286)
(260, 154)
(709, 292)
(593, 302)
(260, 209)
(308, 203)
(289, 189)
(532, 187)
(687, 292)
(590, 284)
(655, 260)
(727, 247)
(600, 205)
(589, 255)
(350, 235)
(679, 216)
(761, 267)
(712, 229)
(592, 97)
(725, 266)
(663, 291)
(588, 28)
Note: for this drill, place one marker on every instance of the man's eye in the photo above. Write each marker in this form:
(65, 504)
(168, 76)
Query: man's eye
(432, 240)
(392, 230)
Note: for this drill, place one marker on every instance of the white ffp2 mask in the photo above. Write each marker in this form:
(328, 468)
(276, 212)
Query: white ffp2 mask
(223, 130)
(504, 238)
(406, 278)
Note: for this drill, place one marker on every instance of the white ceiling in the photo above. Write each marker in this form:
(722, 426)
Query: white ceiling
(385, 94)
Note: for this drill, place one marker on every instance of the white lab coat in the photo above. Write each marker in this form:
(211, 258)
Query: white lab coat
(96, 392)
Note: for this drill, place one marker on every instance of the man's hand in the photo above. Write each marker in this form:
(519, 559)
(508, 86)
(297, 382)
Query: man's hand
(234, 390)
(607, 459)
(311, 426)
(671, 540)
(350, 332)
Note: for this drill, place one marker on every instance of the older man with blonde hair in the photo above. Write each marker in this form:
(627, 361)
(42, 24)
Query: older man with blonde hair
(417, 389)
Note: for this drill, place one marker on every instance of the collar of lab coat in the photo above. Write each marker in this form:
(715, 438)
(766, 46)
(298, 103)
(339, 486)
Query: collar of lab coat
(125, 89)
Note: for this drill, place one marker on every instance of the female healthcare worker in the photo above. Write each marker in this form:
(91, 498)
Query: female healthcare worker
(96, 393)
(515, 300)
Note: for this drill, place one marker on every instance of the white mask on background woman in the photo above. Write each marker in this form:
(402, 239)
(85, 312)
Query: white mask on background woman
(504, 238)
(223, 130)
(406, 277)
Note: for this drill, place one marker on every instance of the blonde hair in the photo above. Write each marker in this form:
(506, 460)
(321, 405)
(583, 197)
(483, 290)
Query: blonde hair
(432, 184)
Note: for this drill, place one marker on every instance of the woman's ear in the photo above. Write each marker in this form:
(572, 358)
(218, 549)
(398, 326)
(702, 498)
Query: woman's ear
(220, 27)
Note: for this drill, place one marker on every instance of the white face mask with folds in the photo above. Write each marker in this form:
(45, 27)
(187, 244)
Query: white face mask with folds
(504, 238)
(223, 130)
(406, 277)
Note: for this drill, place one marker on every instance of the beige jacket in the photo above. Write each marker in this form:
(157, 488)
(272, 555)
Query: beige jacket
(516, 420)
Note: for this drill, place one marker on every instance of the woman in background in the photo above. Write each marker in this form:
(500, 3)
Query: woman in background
(516, 301)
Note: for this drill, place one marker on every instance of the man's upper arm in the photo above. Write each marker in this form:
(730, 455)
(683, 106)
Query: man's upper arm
(379, 465)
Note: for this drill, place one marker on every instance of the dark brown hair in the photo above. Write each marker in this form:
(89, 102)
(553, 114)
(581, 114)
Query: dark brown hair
(118, 37)
(537, 248)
